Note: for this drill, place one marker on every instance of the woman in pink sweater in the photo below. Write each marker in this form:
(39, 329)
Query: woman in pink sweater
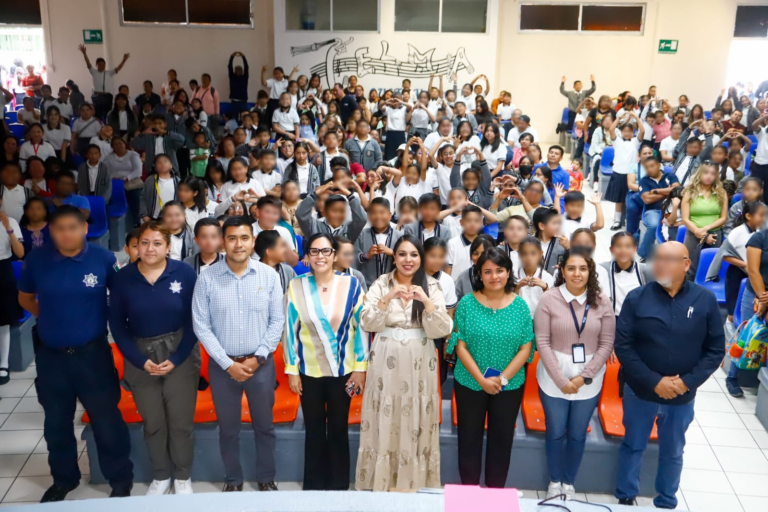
(575, 327)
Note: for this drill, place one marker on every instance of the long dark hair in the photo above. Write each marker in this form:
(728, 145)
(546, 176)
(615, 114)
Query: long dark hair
(195, 184)
(236, 160)
(496, 140)
(500, 258)
(749, 208)
(593, 286)
(34, 199)
(419, 277)
(292, 171)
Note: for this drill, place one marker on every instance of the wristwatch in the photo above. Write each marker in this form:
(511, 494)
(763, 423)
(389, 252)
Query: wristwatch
(261, 360)
(587, 381)
(503, 380)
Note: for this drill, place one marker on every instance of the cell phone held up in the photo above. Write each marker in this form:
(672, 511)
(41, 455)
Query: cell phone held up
(352, 390)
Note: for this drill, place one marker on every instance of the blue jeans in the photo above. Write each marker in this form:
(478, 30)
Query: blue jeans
(673, 421)
(634, 208)
(651, 220)
(747, 304)
(567, 422)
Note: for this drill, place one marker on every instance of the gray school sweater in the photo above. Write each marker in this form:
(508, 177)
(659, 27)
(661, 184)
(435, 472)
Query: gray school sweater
(574, 98)
(374, 268)
(414, 229)
(310, 225)
(103, 182)
(148, 202)
(551, 256)
(171, 142)
(367, 156)
(483, 196)
(465, 283)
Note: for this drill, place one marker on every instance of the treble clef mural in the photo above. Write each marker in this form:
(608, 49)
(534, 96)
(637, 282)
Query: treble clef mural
(339, 65)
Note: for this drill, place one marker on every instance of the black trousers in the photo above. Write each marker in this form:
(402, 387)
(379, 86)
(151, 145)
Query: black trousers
(571, 118)
(733, 277)
(760, 171)
(502, 409)
(272, 105)
(182, 156)
(440, 346)
(325, 405)
(88, 374)
(102, 103)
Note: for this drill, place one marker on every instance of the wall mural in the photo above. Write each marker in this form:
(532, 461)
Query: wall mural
(337, 69)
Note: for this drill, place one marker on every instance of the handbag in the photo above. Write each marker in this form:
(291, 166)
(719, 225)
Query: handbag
(134, 184)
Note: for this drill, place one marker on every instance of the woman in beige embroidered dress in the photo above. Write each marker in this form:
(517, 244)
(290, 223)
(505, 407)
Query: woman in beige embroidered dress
(399, 429)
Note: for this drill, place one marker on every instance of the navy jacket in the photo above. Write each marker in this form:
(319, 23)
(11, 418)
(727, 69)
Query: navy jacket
(660, 336)
(238, 85)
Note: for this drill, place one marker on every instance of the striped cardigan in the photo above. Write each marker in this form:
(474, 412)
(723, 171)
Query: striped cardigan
(317, 345)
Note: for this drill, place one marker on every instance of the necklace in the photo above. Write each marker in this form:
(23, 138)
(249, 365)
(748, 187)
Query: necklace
(495, 309)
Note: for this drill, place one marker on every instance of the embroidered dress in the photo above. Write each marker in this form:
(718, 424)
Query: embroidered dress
(399, 429)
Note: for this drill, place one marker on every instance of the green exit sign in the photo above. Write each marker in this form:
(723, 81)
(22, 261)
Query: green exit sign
(93, 37)
(668, 46)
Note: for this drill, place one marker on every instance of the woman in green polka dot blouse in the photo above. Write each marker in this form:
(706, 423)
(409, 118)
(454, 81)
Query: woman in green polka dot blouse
(493, 340)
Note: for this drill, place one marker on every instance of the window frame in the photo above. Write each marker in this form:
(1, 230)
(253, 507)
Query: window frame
(123, 23)
(330, 17)
(440, 22)
(746, 38)
(579, 31)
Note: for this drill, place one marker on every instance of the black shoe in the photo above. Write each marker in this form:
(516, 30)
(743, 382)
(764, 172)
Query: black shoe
(615, 226)
(628, 502)
(57, 493)
(122, 492)
(4, 379)
(233, 488)
(269, 486)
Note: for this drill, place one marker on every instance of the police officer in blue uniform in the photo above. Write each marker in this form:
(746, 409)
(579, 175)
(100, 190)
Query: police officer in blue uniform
(64, 285)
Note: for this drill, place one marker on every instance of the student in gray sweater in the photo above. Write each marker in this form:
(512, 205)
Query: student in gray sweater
(270, 248)
(751, 190)
(476, 180)
(375, 245)
(576, 96)
(429, 225)
(466, 281)
(363, 149)
(345, 258)
(90, 185)
(147, 141)
(334, 212)
(301, 168)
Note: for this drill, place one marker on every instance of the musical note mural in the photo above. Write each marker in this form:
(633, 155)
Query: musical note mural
(340, 63)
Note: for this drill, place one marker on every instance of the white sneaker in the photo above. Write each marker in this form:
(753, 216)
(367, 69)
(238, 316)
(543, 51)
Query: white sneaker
(569, 491)
(158, 487)
(596, 187)
(183, 486)
(554, 489)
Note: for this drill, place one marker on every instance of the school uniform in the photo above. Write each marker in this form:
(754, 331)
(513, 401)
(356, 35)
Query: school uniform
(512, 255)
(13, 200)
(465, 283)
(230, 188)
(65, 109)
(366, 153)
(268, 180)
(196, 262)
(308, 177)
(532, 294)
(282, 231)
(75, 361)
(552, 252)
(359, 276)
(395, 130)
(44, 150)
(349, 229)
(183, 245)
(418, 230)
(380, 264)
(483, 195)
(458, 255)
(10, 311)
(85, 130)
(57, 136)
(323, 162)
(453, 223)
(287, 121)
(625, 157)
(153, 145)
(192, 215)
(570, 225)
(94, 181)
(621, 282)
(155, 193)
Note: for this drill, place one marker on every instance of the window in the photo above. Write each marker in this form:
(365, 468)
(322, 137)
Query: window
(582, 17)
(237, 13)
(467, 16)
(20, 13)
(751, 21)
(328, 15)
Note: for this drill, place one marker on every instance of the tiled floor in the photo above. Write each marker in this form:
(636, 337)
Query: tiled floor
(725, 466)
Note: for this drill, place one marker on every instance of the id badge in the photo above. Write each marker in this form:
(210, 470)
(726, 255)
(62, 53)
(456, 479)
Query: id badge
(579, 354)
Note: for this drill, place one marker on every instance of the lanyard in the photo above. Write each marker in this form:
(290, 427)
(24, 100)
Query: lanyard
(35, 148)
(550, 249)
(583, 320)
(381, 259)
(157, 191)
(613, 282)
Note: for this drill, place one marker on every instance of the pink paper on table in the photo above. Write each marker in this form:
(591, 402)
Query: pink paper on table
(464, 498)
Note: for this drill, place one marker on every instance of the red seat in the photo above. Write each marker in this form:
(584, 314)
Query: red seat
(205, 412)
(610, 408)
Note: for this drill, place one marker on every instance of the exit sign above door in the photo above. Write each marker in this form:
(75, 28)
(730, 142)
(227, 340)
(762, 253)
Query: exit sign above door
(668, 46)
(93, 37)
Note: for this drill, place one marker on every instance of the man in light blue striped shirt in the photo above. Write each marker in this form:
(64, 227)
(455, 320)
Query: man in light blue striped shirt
(238, 316)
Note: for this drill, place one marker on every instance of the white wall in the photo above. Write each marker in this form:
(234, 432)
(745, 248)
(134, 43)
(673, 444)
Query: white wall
(384, 59)
(530, 65)
(154, 50)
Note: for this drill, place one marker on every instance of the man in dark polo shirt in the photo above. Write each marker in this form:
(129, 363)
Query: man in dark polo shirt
(669, 340)
(653, 188)
(347, 103)
(64, 285)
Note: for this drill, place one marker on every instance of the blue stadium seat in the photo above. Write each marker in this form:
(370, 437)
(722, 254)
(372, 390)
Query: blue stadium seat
(301, 268)
(717, 287)
(736, 199)
(669, 168)
(118, 203)
(606, 161)
(11, 117)
(659, 234)
(300, 246)
(17, 130)
(747, 164)
(492, 230)
(753, 138)
(17, 274)
(708, 114)
(78, 160)
(737, 311)
(99, 224)
(681, 231)
(564, 119)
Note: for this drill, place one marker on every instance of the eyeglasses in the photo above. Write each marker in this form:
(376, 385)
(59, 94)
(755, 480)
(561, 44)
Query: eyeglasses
(325, 251)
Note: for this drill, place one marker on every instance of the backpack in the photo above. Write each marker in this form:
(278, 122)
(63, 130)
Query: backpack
(749, 344)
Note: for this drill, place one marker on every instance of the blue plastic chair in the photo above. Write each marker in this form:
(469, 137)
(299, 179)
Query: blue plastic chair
(492, 230)
(606, 161)
(564, 119)
(717, 287)
(300, 246)
(99, 224)
(659, 234)
(118, 203)
(708, 114)
(17, 130)
(737, 311)
(753, 138)
(736, 199)
(747, 164)
(11, 117)
(78, 160)
(669, 168)
(301, 269)
(681, 231)
(17, 274)
(586, 148)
